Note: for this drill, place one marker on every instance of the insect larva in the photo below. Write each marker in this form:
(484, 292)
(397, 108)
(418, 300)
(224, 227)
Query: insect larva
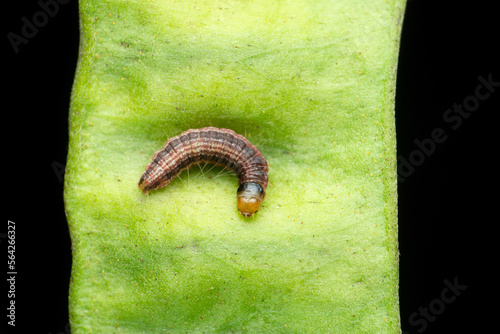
(221, 147)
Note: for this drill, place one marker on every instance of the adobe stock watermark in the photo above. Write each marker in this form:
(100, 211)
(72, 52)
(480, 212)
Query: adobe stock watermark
(67, 330)
(454, 118)
(30, 26)
(58, 170)
(421, 318)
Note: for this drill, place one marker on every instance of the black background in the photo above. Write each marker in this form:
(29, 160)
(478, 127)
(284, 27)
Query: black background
(447, 211)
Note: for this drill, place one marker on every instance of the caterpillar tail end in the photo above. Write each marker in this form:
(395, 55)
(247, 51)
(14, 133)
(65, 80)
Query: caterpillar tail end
(144, 185)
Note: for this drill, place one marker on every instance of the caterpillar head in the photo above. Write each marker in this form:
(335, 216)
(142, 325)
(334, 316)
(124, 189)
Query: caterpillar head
(250, 195)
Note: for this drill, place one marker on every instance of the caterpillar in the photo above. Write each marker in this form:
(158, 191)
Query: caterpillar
(221, 147)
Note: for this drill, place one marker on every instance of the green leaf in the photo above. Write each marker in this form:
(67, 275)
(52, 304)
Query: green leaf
(311, 84)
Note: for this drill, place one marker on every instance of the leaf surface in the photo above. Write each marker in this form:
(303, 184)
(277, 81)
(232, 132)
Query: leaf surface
(311, 84)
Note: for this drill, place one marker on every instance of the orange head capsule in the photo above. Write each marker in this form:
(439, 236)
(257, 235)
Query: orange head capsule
(250, 196)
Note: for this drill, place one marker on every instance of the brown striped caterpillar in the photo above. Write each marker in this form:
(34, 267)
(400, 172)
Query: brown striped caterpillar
(221, 147)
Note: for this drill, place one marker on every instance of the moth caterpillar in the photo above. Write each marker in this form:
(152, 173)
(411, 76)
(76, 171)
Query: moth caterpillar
(221, 147)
